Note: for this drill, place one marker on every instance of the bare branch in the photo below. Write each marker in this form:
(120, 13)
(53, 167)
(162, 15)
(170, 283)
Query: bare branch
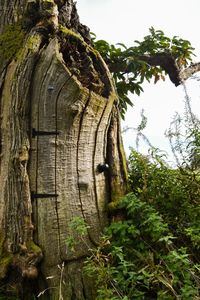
(188, 72)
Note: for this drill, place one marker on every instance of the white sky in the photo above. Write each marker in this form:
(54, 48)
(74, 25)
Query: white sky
(128, 20)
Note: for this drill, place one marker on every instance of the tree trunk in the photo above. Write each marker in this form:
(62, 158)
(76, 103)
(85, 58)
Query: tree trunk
(59, 121)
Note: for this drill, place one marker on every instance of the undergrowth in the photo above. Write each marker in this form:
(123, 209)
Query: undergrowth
(153, 251)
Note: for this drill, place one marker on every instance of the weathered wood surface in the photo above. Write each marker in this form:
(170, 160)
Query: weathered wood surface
(66, 164)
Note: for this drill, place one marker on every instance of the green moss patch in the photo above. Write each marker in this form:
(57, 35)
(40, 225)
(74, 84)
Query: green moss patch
(33, 247)
(11, 41)
(5, 262)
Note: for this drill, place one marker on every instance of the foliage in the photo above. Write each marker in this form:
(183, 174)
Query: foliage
(173, 192)
(130, 67)
(152, 251)
(78, 228)
(184, 137)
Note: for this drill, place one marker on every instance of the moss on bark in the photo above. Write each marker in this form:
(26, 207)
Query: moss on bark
(11, 41)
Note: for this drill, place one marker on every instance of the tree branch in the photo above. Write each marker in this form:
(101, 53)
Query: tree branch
(167, 63)
(188, 72)
(165, 60)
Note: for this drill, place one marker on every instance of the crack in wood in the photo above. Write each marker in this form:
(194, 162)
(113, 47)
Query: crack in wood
(77, 164)
(55, 169)
(94, 167)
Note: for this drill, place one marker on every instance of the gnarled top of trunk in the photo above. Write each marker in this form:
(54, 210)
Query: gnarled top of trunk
(34, 12)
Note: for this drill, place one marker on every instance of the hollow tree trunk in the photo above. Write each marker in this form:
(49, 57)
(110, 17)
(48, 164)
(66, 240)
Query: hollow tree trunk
(59, 121)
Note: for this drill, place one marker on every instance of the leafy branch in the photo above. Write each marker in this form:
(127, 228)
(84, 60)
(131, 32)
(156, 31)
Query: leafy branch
(154, 57)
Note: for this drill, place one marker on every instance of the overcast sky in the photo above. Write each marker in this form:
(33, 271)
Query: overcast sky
(129, 20)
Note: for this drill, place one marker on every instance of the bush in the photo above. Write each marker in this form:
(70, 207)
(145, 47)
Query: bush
(153, 251)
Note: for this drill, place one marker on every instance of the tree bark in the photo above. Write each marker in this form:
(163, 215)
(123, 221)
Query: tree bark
(59, 121)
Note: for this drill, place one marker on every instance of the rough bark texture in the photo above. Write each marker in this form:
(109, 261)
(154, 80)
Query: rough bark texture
(11, 12)
(59, 121)
(188, 72)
